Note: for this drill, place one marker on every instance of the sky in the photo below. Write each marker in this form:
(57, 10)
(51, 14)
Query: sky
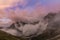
(28, 2)
(50, 4)
(30, 7)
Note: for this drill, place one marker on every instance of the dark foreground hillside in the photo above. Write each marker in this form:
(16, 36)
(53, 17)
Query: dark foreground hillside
(5, 36)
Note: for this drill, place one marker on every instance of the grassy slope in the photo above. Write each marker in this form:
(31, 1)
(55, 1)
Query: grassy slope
(5, 36)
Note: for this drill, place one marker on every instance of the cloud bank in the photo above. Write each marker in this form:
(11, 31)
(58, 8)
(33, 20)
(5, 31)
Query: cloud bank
(29, 14)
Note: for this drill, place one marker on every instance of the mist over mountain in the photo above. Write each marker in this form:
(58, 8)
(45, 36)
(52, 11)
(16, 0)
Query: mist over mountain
(30, 18)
